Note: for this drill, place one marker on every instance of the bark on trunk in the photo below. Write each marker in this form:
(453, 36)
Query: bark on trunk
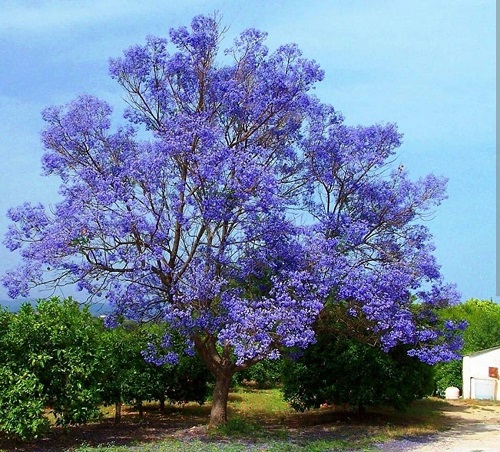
(218, 414)
(118, 412)
(218, 361)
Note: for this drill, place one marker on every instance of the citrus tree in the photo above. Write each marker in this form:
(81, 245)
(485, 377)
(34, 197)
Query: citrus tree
(48, 360)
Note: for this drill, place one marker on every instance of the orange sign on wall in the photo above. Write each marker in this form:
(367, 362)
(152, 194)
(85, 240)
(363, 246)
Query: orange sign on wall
(493, 372)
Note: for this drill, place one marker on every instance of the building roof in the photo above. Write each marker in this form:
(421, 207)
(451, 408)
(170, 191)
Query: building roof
(483, 351)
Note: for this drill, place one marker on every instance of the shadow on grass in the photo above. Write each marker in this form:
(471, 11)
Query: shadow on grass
(132, 429)
(189, 422)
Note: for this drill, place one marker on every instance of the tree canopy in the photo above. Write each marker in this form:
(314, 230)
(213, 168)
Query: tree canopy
(482, 332)
(233, 204)
(483, 319)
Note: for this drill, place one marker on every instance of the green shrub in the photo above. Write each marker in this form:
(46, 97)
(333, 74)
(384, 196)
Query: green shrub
(265, 374)
(57, 356)
(21, 405)
(48, 356)
(239, 427)
(62, 341)
(128, 378)
(446, 375)
(340, 370)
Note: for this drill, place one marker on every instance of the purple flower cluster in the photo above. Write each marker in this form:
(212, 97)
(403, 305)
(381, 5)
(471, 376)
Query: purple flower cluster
(233, 205)
(258, 328)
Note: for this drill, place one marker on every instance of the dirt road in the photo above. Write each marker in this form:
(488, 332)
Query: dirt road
(476, 428)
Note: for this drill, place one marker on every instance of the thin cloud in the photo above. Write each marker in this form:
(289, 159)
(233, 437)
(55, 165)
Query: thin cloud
(42, 17)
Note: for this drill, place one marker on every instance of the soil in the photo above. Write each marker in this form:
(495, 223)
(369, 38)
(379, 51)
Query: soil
(473, 427)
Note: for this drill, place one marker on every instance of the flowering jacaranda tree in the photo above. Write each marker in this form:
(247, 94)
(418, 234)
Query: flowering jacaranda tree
(233, 206)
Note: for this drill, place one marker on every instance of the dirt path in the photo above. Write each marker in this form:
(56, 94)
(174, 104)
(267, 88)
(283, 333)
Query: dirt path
(476, 428)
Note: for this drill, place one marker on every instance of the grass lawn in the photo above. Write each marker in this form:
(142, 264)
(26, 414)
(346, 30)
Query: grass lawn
(259, 420)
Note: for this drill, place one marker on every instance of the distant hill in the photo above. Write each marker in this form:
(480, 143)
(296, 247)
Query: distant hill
(14, 305)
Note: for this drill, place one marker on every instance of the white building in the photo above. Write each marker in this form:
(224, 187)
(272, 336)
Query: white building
(480, 373)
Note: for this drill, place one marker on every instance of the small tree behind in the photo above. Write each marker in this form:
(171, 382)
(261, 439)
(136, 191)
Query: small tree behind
(22, 399)
(56, 355)
(128, 378)
(482, 332)
(340, 370)
(48, 359)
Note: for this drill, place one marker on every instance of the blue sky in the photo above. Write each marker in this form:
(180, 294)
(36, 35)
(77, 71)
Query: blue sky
(427, 65)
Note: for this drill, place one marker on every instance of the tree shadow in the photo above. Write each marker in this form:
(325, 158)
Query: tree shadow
(132, 429)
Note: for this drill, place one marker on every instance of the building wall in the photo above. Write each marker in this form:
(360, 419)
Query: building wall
(478, 375)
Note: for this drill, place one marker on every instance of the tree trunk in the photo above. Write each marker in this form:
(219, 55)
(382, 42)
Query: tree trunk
(118, 412)
(162, 404)
(218, 414)
(218, 361)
